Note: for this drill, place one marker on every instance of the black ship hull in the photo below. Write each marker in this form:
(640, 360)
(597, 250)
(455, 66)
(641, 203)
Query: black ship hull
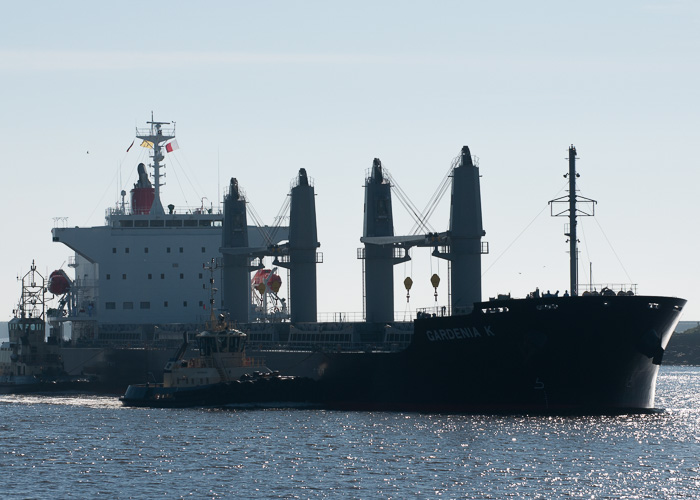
(563, 355)
(593, 354)
(256, 391)
(113, 369)
(60, 385)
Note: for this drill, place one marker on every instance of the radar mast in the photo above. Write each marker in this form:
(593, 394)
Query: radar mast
(577, 205)
(157, 136)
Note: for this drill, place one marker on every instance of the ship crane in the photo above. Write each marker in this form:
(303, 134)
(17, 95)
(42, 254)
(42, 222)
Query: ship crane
(461, 245)
(240, 259)
(268, 233)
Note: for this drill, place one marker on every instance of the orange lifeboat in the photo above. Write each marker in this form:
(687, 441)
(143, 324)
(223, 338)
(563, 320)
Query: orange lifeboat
(59, 282)
(265, 278)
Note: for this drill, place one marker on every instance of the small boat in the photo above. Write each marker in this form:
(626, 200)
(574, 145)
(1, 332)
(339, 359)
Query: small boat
(30, 362)
(222, 374)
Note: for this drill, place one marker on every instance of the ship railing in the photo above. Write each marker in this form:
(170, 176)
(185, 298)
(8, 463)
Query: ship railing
(84, 283)
(165, 131)
(248, 361)
(359, 317)
(616, 288)
(255, 362)
(339, 317)
(176, 210)
(348, 317)
(123, 343)
(295, 182)
(441, 311)
(327, 346)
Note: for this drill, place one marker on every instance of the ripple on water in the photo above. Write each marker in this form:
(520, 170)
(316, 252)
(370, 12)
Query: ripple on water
(77, 446)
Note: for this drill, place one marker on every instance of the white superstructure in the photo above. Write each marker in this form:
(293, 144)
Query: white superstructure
(145, 265)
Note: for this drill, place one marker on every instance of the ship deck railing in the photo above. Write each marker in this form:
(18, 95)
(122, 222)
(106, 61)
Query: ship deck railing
(178, 211)
(124, 344)
(615, 287)
(340, 317)
(440, 311)
(327, 346)
(359, 317)
(248, 361)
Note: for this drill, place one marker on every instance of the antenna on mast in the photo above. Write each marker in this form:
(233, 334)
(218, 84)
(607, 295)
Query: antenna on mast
(573, 203)
(154, 138)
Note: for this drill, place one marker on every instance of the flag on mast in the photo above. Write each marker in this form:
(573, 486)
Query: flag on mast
(132, 143)
(147, 144)
(172, 146)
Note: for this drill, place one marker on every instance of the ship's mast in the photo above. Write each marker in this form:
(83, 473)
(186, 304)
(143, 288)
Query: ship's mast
(32, 303)
(212, 301)
(573, 242)
(576, 206)
(157, 136)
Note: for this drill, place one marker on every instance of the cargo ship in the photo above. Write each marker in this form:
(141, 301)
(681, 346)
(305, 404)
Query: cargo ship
(582, 352)
(588, 354)
(587, 351)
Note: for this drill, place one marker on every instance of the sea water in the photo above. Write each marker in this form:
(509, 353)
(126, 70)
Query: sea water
(87, 446)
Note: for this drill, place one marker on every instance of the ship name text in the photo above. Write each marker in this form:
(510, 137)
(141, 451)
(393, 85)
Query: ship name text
(459, 333)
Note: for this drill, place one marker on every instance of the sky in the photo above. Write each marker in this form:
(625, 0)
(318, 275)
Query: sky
(259, 90)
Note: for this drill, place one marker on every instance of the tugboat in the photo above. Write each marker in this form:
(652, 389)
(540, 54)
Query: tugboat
(222, 373)
(212, 378)
(29, 362)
